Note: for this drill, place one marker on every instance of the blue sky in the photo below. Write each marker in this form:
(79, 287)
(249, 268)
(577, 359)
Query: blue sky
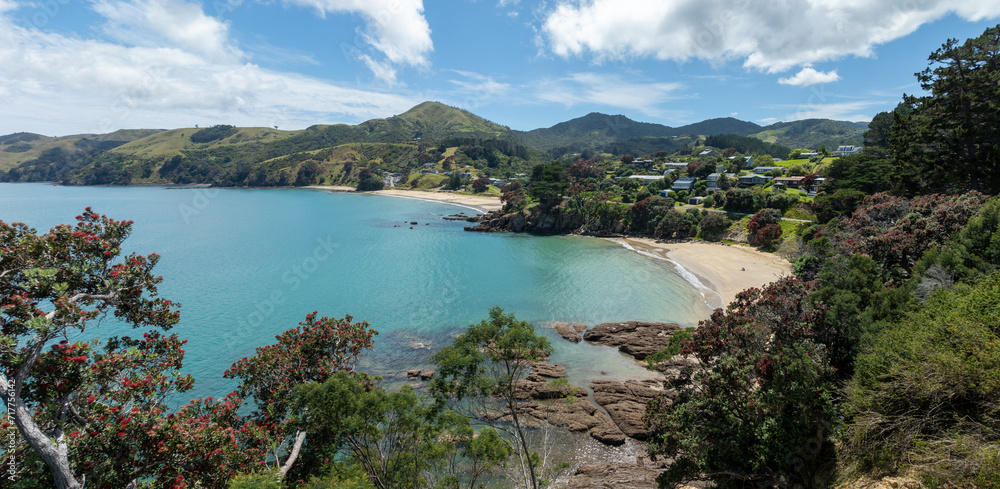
(94, 66)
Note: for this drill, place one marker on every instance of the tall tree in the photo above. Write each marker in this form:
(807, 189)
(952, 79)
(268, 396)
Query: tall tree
(951, 137)
(548, 182)
(483, 367)
(312, 352)
(50, 389)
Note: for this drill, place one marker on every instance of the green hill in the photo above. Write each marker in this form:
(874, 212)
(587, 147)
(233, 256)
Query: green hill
(21, 147)
(810, 133)
(613, 133)
(430, 132)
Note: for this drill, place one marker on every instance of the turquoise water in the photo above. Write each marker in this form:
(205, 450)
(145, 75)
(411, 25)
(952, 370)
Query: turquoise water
(249, 264)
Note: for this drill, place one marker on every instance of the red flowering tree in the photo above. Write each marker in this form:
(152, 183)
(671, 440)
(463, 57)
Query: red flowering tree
(758, 409)
(312, 352)
(764, 228)
(896, 231)
(86, 408)
(480, 184)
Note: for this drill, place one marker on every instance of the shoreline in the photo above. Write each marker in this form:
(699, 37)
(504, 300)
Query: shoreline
(480, 203)
(724, 270)
(717, 270)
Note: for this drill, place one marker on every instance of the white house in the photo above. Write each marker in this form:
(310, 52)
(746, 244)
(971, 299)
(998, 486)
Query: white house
(646, 178)
(707, 152)
(847, 150)
(760, 170)
(754, 179)
(683, 183)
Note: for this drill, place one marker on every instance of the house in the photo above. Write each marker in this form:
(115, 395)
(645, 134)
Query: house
(807, 155)
(791, 182)
(707, 152)
(754, 179)
(816, 183)
(720, 168)
(675, 166)
(647, 179)
(748, 161)
(714, 178)
(760, 170)
(496, 181)
(665, 193)
(432, 172)
(428, 165)
(847, 150)
(683, 183)
(696, 200)
(638, 162)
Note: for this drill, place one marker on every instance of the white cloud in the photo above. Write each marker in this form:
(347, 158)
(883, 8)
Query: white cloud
(177, 22)
(768, 36)
(808, 76)
(475, 90)
(395, 28)
(855, 111)
(608, 89)
(54, 84)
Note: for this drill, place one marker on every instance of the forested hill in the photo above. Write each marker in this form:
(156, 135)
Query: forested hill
(618, 133)
(430, 132)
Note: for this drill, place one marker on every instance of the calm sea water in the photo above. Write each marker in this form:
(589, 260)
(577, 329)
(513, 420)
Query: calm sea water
(249, 264)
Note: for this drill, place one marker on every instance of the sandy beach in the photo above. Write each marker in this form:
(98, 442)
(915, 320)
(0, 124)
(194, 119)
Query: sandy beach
(723, 268)
(480, 202)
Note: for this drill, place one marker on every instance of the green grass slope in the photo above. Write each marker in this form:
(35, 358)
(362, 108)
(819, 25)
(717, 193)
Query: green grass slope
(810, 133)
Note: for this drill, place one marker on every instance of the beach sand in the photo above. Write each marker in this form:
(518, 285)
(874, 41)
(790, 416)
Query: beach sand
(481, 202)
(726, 269)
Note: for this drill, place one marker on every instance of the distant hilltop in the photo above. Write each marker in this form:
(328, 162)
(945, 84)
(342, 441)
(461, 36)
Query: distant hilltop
(256, 156)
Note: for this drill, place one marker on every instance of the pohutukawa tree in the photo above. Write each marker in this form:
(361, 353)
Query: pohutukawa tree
(312, 352)
(52, 288)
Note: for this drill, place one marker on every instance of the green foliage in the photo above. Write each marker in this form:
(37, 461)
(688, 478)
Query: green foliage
(268, 479)
(674, 347)
(746, 145)
(839, 204)
(484, 365)
(214, 133)
(549, 182)
(368, 181)
(976, 248)
(396, 437)
(950, 138)
(867, 172)
(925, 398)
(712, 225)
(760, 407)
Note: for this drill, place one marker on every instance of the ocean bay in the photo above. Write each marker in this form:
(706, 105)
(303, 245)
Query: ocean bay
(249, 264)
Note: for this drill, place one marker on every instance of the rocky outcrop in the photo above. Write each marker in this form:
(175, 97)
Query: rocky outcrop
(626, 401)
(540, 370)
(572, 333)
(637, 338)
(562, 404)
(612, 475)
(558, 219)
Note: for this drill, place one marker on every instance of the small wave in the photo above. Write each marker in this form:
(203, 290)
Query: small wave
(686, 274)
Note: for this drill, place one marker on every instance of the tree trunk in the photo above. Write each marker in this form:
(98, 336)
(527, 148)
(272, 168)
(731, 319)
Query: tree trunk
(296, 448)
(53, 452)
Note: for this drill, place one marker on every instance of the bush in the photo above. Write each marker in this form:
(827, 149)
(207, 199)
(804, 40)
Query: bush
(213, 133)
(925, 397)
(713, 224)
